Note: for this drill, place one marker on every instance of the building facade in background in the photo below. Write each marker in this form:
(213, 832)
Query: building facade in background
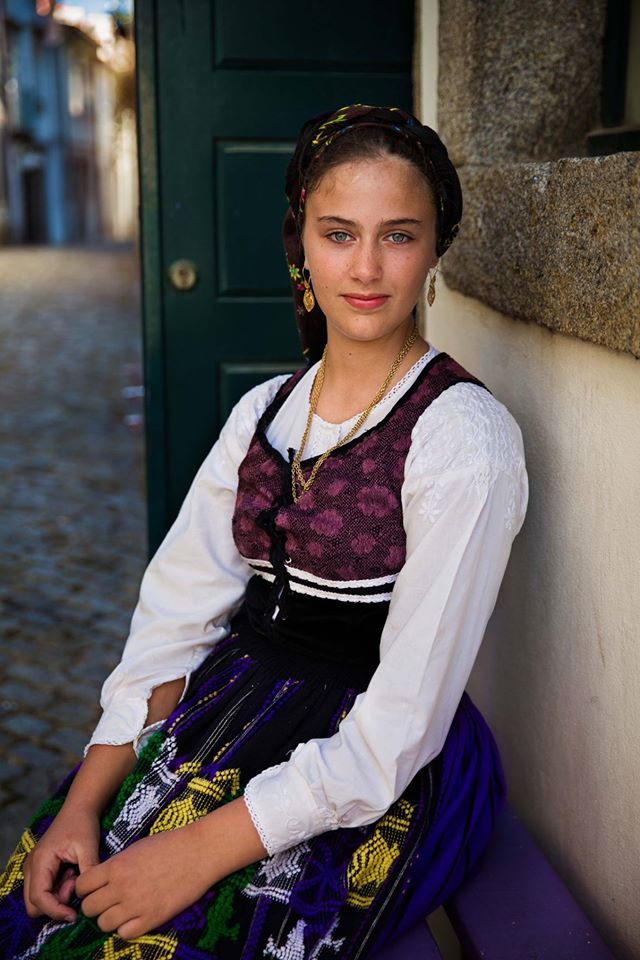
(67, 126)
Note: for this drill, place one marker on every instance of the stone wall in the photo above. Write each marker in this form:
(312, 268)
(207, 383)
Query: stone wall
(548, 234)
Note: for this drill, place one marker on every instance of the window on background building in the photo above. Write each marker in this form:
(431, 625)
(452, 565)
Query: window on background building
(632, 102)
(77, 90)
(620, 105)
(12, 85)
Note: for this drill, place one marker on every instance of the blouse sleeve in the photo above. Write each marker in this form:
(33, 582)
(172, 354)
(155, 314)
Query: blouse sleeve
(192, 586)
(464, 499)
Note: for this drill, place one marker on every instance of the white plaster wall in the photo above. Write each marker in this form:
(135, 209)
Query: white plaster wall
(425, 85)
(558, 674)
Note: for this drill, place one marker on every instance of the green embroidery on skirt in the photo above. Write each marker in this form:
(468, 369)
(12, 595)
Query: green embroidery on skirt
(220, 912)
(81, 940)
(147, 756)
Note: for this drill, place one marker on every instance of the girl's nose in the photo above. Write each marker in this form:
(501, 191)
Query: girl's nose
(366, 264)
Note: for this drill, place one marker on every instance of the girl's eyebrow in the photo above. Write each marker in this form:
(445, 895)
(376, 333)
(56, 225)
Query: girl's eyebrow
(383, 223)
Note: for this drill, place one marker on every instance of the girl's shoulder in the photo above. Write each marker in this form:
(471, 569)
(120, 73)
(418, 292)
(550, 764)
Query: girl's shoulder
(466, 425)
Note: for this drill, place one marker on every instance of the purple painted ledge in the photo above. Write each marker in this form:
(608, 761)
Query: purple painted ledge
(515, 907)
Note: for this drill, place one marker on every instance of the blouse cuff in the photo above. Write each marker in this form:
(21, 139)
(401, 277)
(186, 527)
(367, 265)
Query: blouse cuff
(120, 723)
(282, 808)
(123, 720)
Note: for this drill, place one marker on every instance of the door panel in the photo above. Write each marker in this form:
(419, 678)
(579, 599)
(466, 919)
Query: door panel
(321, 36)
(249, 180)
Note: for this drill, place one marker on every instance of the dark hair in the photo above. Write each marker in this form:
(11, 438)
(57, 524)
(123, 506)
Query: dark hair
(363, 142)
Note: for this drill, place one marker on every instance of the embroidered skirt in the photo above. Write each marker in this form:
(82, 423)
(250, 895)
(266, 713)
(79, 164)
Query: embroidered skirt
(343, 893)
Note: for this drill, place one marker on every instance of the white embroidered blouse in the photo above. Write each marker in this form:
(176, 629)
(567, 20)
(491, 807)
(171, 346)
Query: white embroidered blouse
(464, 499)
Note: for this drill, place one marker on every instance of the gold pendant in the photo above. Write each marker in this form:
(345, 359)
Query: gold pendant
(308, 299)
(431, 294)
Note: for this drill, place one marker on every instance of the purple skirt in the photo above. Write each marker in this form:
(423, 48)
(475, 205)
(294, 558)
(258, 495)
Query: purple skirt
(343, 893)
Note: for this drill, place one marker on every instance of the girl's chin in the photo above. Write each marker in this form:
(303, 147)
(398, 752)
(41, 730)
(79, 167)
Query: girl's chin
(365, 326)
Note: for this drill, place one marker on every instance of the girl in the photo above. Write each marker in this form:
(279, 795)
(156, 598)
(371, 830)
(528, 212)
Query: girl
(288, 764)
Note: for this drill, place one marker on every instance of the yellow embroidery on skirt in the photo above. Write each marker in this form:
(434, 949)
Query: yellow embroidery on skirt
(200, 797)
(190, 766)
(12, 875)
(150, 946)
(371, 862)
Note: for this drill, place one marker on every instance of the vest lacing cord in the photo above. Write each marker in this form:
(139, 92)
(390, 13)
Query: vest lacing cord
(281, 587)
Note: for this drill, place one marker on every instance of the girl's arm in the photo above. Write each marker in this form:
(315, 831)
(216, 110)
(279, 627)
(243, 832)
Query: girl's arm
(188, 592)
(190, 588)
(106, 765)
(74, 834)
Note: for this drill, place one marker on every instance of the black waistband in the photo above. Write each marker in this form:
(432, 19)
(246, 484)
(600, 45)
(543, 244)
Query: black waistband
(315, 627)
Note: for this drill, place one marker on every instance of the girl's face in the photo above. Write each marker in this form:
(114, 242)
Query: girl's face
(370, 228)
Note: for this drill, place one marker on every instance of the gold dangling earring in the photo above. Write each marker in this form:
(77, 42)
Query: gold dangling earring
(308, 299)
(431, 294)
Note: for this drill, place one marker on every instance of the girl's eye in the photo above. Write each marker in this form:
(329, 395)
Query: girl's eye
(338, 235)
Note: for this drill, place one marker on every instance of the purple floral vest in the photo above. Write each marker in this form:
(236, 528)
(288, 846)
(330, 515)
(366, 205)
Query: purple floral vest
(344, 539)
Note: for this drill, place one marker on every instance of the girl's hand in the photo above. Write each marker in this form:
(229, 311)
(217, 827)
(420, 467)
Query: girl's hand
(71, 843)
(155, 878)
(148, 883)
(49, 874)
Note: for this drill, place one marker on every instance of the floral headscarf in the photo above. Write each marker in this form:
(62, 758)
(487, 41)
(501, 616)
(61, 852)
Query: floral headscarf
(314, 137)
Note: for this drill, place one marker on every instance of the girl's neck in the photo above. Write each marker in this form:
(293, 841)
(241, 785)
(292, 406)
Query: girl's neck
(355, 371)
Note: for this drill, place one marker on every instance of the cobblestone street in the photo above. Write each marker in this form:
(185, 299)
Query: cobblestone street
(72, 509)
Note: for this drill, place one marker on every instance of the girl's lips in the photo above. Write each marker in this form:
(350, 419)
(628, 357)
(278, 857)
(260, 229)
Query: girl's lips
(370, 304)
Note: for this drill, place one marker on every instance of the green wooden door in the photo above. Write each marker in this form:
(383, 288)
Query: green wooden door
(223, 88)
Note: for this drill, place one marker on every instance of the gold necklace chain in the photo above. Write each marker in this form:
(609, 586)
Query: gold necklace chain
(297, 477)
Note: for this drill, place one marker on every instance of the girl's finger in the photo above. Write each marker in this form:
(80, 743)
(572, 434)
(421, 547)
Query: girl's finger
(45, 902)
(92, 879)
(114, 917)
(63, 875)
(41, 896)
(66, 885)
(99, 901)
(133, 928)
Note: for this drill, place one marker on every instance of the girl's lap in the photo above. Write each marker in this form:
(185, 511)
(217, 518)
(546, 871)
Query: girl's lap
(353, 887)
